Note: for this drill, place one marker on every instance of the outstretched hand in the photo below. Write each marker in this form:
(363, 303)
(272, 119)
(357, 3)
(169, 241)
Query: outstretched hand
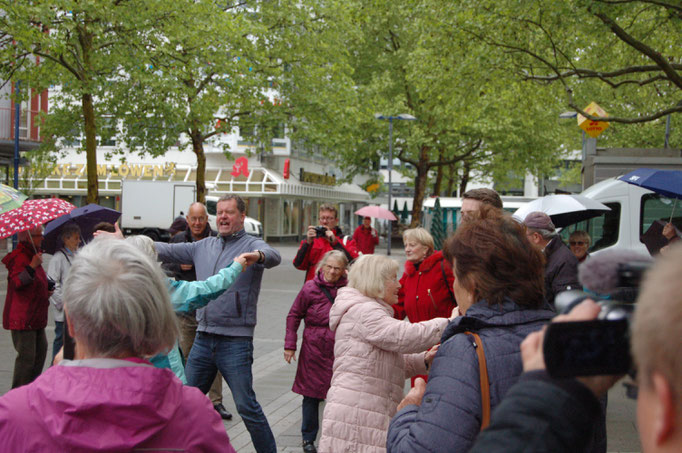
(247, 259)
(117, 234)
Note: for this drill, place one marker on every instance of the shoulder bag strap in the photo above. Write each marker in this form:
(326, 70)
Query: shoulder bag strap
(326, 293)
(447, 285)
(485, 384)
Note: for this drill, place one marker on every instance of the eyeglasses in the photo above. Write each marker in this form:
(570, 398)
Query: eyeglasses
(196, 219)
(333, 268)
(577, 243)
(327, 218)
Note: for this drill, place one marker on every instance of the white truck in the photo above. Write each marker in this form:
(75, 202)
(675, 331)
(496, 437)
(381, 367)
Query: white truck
(149, 207)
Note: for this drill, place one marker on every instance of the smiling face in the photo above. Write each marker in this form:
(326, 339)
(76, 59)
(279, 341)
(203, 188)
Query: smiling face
(579, 247)
(228, 218)
(391, 287)
(415, 251)
(367, 222)
(332, 270)
(197, 219)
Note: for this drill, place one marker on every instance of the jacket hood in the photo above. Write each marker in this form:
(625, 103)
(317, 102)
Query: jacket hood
(22, 249)
(134, 401)
(426, 265)
(481, 315)
(346, 299)
(319, 279)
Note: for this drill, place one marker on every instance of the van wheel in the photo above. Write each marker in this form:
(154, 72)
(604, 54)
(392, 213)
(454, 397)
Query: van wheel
(151, 234)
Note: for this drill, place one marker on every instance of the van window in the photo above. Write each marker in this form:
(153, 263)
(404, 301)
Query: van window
(604, 229)
(211, 207)
(657, 207)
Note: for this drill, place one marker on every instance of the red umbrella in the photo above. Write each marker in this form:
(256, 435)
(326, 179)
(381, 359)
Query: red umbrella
(377, 212)
(31, 214)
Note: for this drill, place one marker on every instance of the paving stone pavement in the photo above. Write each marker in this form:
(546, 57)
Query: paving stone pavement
(273, 377)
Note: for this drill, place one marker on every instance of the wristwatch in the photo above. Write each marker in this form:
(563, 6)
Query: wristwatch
(261, 259)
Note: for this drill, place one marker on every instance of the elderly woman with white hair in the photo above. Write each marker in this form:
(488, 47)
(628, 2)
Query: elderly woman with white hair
(111, 398)
(374, 354)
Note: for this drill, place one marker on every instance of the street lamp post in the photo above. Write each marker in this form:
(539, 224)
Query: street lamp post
(402, 116)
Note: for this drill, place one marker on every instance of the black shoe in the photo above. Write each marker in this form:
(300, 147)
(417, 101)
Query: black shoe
(309, 446)
(224, 414)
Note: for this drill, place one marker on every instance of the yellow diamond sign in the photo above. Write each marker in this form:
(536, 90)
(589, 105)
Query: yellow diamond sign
(593, 128)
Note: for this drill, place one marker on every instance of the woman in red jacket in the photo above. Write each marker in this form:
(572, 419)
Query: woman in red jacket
(426, 284)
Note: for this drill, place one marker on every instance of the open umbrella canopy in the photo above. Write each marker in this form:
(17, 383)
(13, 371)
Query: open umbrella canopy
(10, 198)
(377, 212)
(665, 182)
(564, 210)
(86, 217)
(31, 214)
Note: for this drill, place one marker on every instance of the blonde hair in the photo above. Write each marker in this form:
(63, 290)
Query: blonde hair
(657, 325)
(369, 273)
(333, 255)
(420, 235)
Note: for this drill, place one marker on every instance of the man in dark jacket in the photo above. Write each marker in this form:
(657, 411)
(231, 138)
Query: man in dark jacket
(561, 269)
(224, 340)
(26, 306)
(198, 229)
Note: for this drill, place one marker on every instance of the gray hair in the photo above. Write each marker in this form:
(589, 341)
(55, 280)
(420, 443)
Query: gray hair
(546, 234)
(333, 255)
(241, 206)
(145, 244)
(369, 274)
(117, 301)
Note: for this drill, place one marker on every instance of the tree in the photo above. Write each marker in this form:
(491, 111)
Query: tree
(79, 47)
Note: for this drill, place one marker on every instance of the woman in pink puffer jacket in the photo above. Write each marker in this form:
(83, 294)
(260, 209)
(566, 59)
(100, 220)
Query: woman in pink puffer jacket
(374, 354)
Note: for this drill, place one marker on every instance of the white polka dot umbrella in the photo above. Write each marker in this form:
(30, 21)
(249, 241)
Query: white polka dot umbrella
(31, 214)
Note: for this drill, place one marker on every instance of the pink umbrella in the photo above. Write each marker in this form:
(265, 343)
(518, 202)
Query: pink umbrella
(31, 214)
(377, 212)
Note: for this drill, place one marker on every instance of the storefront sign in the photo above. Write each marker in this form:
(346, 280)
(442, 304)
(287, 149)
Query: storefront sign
(316, 178)
(143, 171)
(240, 167)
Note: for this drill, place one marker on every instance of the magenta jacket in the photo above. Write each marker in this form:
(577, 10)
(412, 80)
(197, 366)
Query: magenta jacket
(109, 405)
(314, 372)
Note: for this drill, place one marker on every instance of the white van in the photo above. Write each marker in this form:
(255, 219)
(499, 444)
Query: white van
(633, 210)
(251, 226)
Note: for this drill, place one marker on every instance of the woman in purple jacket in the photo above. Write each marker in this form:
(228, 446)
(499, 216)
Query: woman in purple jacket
(314, 372)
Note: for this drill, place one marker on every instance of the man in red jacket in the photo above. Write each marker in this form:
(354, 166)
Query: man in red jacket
(366, 237)
(321, 239)
(26, 306)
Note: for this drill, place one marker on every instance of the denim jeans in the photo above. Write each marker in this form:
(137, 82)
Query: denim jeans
(233, 357)
(58, 338)
(310, 423)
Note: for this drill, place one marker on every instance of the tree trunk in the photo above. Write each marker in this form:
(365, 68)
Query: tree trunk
(420, 187)
(90, 148)
(452, 176)
(198, 148)
(437, 186)
(465, 178)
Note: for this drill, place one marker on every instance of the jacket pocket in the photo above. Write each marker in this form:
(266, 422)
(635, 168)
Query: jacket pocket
(232, 308)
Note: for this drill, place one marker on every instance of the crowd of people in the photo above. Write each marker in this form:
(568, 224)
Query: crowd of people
(465, 324)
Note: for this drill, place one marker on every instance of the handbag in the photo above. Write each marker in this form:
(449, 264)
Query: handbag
(485, 384)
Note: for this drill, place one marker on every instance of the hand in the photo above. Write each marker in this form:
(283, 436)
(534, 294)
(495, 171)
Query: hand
(455, 313)
(330, 236)
(37, 260)
(186, 267)
(247, 259)
(289, 355)
(430, 355)
(415, 395)
(59, 357)
(669, 231)
(311, 234)
(118, 234)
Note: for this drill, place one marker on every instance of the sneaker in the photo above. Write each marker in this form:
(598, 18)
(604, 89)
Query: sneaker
(309, 446)
(224, 414)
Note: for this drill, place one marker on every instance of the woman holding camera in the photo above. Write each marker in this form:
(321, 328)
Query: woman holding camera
(499, 286)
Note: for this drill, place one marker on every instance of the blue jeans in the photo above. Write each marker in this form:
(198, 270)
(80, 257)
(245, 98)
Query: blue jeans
(310, 423)
(233, 356)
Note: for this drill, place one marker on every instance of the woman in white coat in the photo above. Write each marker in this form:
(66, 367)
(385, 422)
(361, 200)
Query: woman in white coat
(374, 354)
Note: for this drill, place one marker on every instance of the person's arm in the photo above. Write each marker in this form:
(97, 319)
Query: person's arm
(540, 414)
(176, 253)
(189, 296)
(271, 256)
(23, 270)
(296, 314)
(449, 415)
(385, 332)
(350, 249)
(375, 236)
(566, 277)
(302, 258)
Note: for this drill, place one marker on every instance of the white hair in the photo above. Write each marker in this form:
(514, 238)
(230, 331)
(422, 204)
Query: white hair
(117, 301)
(369, 273)
(333, 255)
(145, 244)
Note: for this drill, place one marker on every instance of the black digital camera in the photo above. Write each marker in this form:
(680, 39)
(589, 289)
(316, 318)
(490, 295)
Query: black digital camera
(51, 284)
(600, 346)
(321, 231)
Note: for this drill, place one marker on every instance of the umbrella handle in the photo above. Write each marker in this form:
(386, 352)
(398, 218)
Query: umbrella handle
(671, 214)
